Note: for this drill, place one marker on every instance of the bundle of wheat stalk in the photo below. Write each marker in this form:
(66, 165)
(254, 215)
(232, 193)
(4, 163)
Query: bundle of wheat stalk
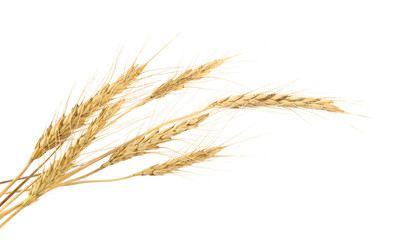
(59, 152)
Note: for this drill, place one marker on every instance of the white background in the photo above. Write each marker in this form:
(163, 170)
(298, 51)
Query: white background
(306, 175)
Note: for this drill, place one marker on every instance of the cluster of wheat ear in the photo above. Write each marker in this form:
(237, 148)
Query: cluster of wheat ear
(59, 154)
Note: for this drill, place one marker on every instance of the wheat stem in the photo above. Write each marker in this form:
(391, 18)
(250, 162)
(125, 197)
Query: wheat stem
(16, 196)
(10, 210)
(12, 216)
(26, 179)
(13, 181)
(19, 179)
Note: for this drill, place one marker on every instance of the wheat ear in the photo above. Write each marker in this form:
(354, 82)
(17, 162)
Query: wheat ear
(189, 75)
(180, 162)
(276, 100)
(146, 143)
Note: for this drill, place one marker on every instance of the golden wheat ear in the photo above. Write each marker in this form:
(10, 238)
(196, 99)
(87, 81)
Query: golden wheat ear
(189, 75)
(150, 142)
(178, 163)
(276, 100)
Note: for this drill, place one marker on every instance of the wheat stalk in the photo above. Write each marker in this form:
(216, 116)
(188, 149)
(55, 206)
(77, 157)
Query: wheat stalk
(71, 134)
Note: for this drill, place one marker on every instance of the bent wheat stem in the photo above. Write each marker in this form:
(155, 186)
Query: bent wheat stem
(16, 211)
(10, 210)
(14, 181)
(23, 182)
(19, 179)
(16, 196)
